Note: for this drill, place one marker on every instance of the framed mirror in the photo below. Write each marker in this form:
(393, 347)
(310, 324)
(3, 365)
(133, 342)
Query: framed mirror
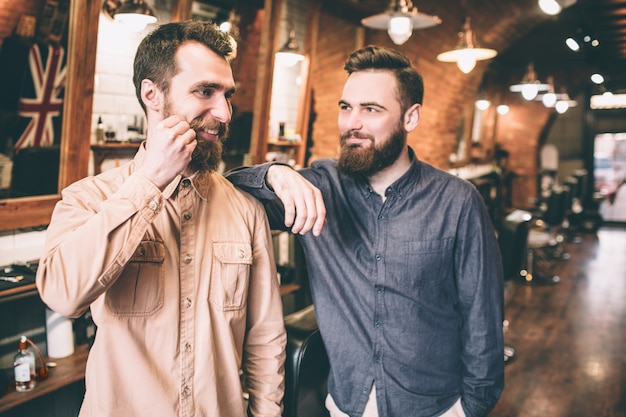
(33, 211)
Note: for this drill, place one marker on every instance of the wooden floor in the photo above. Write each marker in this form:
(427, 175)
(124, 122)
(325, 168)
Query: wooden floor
(570, 338)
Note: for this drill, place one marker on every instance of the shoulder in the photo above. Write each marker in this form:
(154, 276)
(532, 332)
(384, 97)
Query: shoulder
(235, 196)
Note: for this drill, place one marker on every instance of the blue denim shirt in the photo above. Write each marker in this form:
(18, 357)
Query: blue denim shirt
(408, 293)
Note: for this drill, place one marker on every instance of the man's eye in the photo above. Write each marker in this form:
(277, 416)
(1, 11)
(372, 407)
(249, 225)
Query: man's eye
(343, 107)
(206, 93)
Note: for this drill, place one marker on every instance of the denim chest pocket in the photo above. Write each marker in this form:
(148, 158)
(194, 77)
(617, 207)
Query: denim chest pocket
(230, 273)
(427, 262)
(139, 289)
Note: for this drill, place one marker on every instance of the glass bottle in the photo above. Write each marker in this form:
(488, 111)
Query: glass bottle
(24, 367)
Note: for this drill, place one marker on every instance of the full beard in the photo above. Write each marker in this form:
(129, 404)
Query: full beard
(208, 154)
(359, 161)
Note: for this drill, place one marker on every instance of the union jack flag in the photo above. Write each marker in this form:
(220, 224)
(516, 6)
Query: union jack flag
(39, 107)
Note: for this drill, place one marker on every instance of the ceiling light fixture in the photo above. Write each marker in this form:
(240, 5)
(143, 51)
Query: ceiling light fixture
(400, 19)
(133, 14)
(550, 7)
(549, 98)
(466, 53)
(530, 86)
(502, 109)
(572, 44)
(290, 54)
(597, 78)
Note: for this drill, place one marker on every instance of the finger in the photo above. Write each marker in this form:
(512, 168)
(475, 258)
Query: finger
(320, 222)
(171, 121)
(290, 210)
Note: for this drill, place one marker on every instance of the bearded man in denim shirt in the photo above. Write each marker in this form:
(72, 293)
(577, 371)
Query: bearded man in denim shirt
(406, 276)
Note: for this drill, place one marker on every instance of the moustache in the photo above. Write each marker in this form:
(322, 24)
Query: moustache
(209, 126)
(356, 135)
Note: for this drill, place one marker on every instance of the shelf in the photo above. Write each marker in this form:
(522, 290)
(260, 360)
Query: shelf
(67, 371)
(102, 151)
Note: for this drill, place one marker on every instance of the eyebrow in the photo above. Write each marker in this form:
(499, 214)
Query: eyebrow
(215, 86)
(364, 104)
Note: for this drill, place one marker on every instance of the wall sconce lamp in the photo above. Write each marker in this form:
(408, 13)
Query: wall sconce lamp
(530, 86)
(466, 53)
(134, 14)
(400, 19)
(290, 53)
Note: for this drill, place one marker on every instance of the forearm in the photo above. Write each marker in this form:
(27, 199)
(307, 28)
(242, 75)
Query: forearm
(481, 303)
(88, 244)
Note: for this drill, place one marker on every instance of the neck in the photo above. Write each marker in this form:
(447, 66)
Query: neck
(384, 178)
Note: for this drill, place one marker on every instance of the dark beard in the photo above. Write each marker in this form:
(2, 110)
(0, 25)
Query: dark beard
(206, 157)
(357, 161)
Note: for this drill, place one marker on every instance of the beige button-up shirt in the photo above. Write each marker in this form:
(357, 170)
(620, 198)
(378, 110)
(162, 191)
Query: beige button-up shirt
(182, 286)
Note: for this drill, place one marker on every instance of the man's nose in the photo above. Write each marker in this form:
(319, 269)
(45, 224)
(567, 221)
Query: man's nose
(222, 110)
(352, 121)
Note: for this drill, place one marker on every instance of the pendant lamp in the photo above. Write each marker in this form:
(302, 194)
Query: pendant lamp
(466, 53)
(399, 20)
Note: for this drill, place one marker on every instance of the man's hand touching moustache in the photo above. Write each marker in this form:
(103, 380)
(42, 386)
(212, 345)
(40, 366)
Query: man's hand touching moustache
(168, 150)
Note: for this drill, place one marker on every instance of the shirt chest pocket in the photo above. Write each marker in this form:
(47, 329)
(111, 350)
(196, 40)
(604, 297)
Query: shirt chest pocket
(427, 262)
(139, 289)
(230, 273)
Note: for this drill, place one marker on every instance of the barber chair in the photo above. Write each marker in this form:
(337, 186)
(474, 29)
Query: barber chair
(543, 240)
(306, 366)
(512, 239)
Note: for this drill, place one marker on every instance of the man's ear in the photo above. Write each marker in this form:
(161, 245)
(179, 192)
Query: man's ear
(412, 117)
(151, 95)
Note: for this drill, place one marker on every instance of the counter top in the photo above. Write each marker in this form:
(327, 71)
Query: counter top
(67, 371)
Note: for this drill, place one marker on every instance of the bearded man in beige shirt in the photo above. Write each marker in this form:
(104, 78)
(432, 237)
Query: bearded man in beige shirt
(176, 264)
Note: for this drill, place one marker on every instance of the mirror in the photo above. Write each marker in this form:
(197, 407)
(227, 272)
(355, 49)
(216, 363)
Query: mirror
(76, 124)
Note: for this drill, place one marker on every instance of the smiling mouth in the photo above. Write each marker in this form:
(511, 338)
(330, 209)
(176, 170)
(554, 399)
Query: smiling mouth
(210, 136)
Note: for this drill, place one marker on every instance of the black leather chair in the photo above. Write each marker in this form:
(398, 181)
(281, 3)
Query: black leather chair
(306, 367)
(512, 239)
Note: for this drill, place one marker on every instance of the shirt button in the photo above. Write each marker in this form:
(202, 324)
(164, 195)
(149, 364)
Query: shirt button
(365, 390)
(186, 182)
(186, 391)
(378, 257)
(377, 324)
(187, 259)
(152, 205)
(187, 216)
(187, 347)
(379, 290)
(241, 254)
(381, 217)
(187, 302)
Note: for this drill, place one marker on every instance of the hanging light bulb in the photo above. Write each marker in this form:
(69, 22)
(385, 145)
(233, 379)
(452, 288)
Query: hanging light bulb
(135, 15)
(400, 29)
(466, 53)
(400, 19)
(502, 109)
(290, 54)
(549, 98)
(530, 86)
(482, 104)
(551, 7)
